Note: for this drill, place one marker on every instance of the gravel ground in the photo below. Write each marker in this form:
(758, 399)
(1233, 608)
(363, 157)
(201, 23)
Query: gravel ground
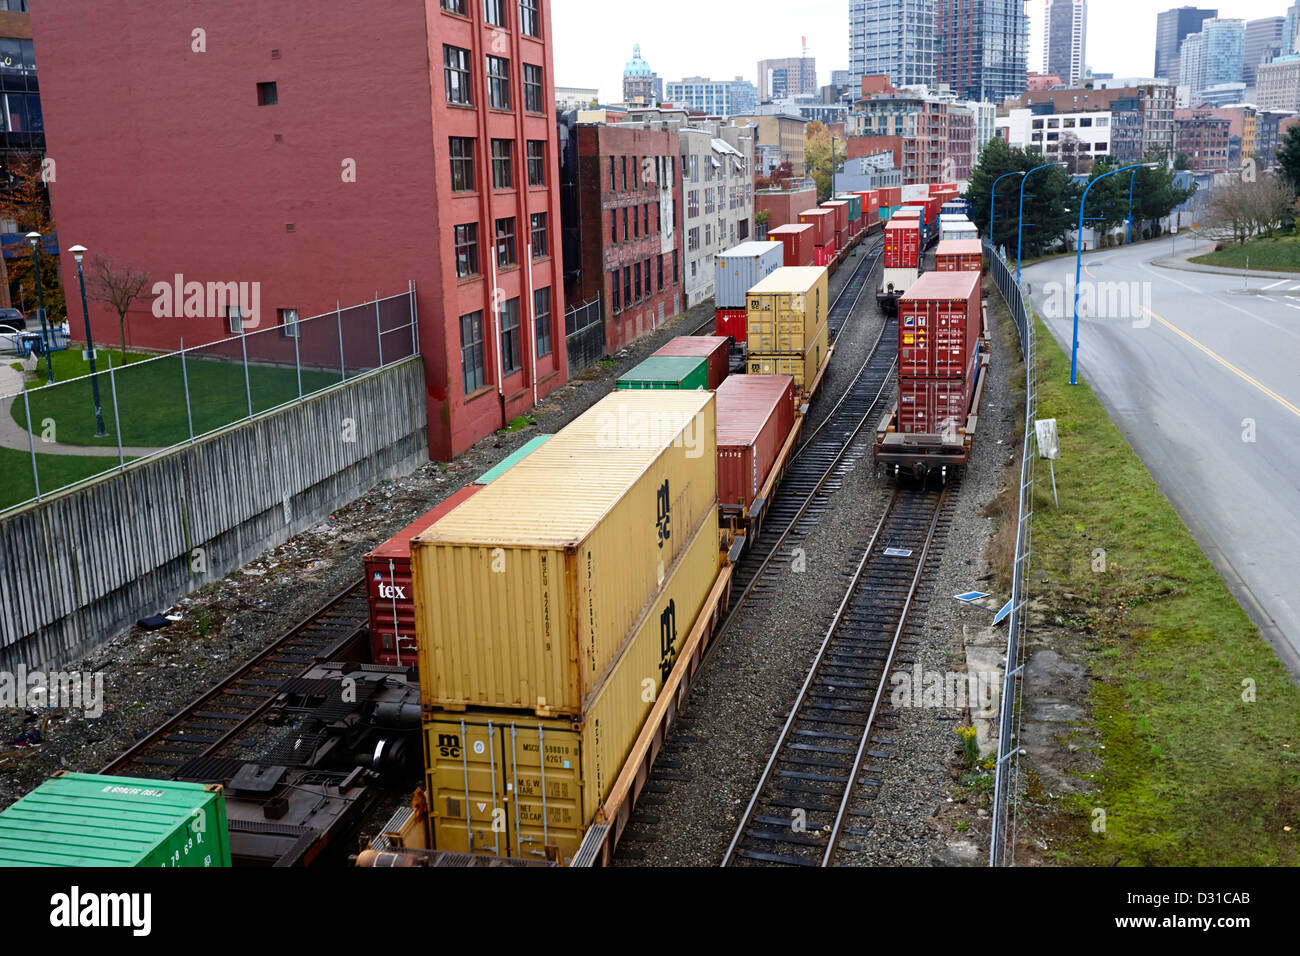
(922, 814)
(149, 675)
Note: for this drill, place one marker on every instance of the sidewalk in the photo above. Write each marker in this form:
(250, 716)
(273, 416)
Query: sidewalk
(1179, 261)
(13, 435)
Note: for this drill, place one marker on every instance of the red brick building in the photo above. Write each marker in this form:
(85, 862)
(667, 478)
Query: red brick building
(784, 205)
(629, 204)
(325, 152)
(1204, 138)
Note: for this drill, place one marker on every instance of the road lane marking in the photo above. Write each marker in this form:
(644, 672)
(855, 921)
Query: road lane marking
(1291, 305)
(1294, 410)
(1201, 293)
(1275, 284)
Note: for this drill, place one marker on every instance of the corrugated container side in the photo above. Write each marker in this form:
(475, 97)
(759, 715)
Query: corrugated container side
(729, 323)
(786, 310)
(959, 255)
(796, 239)
(755, 415)
(91, 820)
(841, 210)
(931, 406)
(939, 323)
(802, 367)
(681, 372)
(526, 593)
(390, 590)
(823, 221)
(714, 349)
(740, 268)
(902, 245)
(542, 781)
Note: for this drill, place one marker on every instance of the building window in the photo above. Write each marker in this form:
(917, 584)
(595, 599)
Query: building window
(498, 73)
(693, 239)
(473, 375)
(506, 242)
(512, 356)
(462, 164)
(542, 320)
(636, 220)
(455, 6)
(636, 281)
(533, 89)
(540, 247)
(674, 267)
(267, 95)
(494, 12)
(503, 155)
(692, 203)
(627, 286)
(530, 23)
(661, 272)
(288, 323)
(611, 174)
(466, 236)
(626, 231)
(623, 162)
(613, 225)
(455, 72)
(617, 302)
(537, 162)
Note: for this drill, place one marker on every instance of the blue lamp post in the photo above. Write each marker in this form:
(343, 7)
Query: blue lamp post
(1078, 264)
(993, 195)
(1020, 216)
(1129, 234)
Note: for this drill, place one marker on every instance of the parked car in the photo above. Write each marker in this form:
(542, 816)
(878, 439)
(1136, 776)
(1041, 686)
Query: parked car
(11, 339)
(14, 319)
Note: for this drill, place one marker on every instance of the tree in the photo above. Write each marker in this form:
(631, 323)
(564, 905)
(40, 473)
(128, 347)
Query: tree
(117, 287)
(1242, 209)
(818, 159)
(25, 202)
(1072, 154)
(1288, 156)
(1182, 161)
(1048, 197)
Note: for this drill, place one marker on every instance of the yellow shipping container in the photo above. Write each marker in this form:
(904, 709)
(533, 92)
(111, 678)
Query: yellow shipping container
(490, 792)
(528, 591)
(784, 311)
(802, 366)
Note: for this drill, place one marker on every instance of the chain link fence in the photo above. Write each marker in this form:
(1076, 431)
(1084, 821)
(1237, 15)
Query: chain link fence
(85, 426)
(1006, 789)
(584, 335)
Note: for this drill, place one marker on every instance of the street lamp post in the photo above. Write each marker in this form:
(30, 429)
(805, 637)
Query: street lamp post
(35, 239)
(1129, 239)
(1020, 216)
(993, 209)
(1078, 264)
(100, 431)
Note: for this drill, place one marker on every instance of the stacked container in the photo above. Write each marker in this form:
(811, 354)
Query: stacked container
(870, 207)
(734, 272)
(797, 240)
(855, 212)
(957, 207)
(959, 255)
(714, 349)
(891, 196)
(823, 223)
(940, 321)
(755, 415)
(550, 608)
(788, 325)
(841, 210)
(902, 254)
(671, 372)
(956, 226)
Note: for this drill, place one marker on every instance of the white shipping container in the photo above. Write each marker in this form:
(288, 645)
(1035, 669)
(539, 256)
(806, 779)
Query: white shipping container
(741, 268)
(956, 226)
(898, 280)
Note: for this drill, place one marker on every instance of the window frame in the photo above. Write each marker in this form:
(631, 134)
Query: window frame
(542, 323)
(504, 163)
(474, 347)
(538, 161)
(511, 239)
(539, 87)
(464, 73)
(534, 16)
(462, 166)
(500, 7)
(534, 228)
(471, 244)
(511, 336)
(498, 84)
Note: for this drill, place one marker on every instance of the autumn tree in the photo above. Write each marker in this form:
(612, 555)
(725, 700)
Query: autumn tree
(818, 159)
(24, 201)
(117, 286)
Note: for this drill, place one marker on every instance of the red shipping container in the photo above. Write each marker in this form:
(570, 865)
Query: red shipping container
(716, 347)
(914, 213)
(755, 415)
(823, 255)
(823, 222)
(841, 210)
(891, 196)
(959, 255)
(798, 241)
(870, 207)
(389, 589)
(929, 210)
(929, 406)
(902, 244)
(730, 322)
(841, 239)
(939, 325)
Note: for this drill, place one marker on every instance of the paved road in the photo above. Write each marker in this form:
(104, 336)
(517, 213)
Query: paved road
(1181, 368)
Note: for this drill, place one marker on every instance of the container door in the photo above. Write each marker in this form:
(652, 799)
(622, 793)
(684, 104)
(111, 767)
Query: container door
(467, 797)
(545, 782)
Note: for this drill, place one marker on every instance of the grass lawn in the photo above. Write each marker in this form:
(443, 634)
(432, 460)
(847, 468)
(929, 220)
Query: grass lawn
(1192, 774)
(151, 396)
(1281, 254)
(56, 471)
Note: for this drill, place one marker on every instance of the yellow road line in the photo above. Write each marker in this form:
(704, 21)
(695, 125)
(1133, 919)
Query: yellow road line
(1224, 362)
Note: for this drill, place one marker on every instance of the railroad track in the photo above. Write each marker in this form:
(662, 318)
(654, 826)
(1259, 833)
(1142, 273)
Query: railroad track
(817, 785)
(218, 721)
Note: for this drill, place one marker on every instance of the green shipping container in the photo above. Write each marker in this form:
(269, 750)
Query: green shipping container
(685, 372)
(84, 819)
(855, 205)
(505, 464)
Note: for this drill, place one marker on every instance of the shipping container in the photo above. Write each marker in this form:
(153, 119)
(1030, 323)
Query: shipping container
(729, 323)
(512, 459)
(89, 820)
(755, 415)
(841, 210)
(786, 309)
(939, 323)
(915, 213)
(929, 209)
(933, 406)
(823, 256)
(823, 223)
(797, 239)
(714, 349)
(526, 593)
(959, 255)
(870, 200)
(956, 227)
(898, 281)
(960, 207)
(891, 196)
(902, 245)
(667, 372)
(803, 368)
(389, 591)
(855, 205)
(541, 781)
(742, 267)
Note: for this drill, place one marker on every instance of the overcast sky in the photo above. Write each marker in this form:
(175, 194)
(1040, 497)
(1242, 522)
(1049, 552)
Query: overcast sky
(679, 38)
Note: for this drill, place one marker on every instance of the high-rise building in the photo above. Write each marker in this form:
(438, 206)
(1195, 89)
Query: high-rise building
(641, 86)
(1290, 27)
(1154, 103)
(1191, 64)
(714, 97)
(1262, 43)
(458, 195)
(983, 48)
(792, 76)
(1222, 51)
(1065, 39)
(1172, 26)
(893, 38)
(22, 126)
(1277, 84)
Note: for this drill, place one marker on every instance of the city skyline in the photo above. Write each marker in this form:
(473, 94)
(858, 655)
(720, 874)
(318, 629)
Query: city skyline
(1121, 39)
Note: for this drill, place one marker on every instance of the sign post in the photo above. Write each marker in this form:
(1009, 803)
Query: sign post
(1048, 447)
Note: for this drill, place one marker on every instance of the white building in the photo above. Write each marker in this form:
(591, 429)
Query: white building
(575, 97)
(717, 200)
(1046, 131)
